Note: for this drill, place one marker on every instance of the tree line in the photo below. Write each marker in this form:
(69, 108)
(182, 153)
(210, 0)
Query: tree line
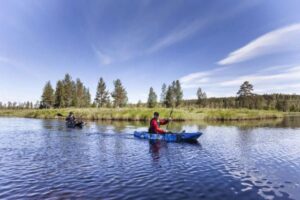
(171, 96)
(69, 93)
(246, 98)
(19, 105)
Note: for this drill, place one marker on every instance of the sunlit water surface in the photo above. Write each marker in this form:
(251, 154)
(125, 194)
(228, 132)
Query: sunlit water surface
(42, 159)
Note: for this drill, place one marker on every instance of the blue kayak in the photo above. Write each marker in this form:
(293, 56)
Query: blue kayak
(170, 137)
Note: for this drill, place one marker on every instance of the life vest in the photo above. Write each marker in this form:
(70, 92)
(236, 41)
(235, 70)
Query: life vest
(151, 129)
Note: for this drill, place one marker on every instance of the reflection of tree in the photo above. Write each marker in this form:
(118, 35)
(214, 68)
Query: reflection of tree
(50, 124)
(248, 124)
(292, 121)
(119, 126)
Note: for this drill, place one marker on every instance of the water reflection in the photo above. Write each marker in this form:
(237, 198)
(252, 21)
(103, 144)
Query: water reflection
(155, 148)
(42, 159)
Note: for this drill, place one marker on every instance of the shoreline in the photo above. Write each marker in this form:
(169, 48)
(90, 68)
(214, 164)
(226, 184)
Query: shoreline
(145, 114)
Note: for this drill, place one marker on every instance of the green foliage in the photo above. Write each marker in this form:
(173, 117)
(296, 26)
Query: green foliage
(178, 93)
(119, 94)
(201, 98)
(47, 96)
(69, 87)
(163, 94)
(145, 114)
(170, 97)
(86, 97)
(59, 95)
(246, 90)
(152, 99)
(102, 95)
(173, 95)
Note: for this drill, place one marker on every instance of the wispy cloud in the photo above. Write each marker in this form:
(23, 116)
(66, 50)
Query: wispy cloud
(188, 29)
(288, 75)
(104, 58)
(197, 79)
(178, 34)
(280, 79)
(280, 40)
(19, 66)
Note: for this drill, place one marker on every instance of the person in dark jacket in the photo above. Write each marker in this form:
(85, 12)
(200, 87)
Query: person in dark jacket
(71, 118)
(155, 124)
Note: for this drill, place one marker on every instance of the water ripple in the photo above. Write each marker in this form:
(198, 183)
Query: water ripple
(41, 159)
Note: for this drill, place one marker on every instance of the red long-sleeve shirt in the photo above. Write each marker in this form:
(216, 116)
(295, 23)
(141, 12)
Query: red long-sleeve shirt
(154, 125)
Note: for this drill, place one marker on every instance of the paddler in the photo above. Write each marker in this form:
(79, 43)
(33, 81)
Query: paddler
(156, 122)
(71, 120)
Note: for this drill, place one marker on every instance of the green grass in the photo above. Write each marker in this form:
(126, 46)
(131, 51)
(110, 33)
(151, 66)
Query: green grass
(141, 114)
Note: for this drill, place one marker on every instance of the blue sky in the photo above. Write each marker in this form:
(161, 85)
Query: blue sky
(215, 45)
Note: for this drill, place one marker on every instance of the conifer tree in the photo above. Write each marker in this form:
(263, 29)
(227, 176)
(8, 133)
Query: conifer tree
(170, 97)
(59, 95)
(246, 89)
(119, 94)
(245, 95)
(79, 94)
(68, 90)
(152, 98)
(178, 93)
(201, 97)
(102, 95)
(87, 97)
(47, 96)
(163, 94)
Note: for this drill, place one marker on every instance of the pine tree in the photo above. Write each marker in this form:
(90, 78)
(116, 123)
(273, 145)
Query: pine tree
(163, 94)
(102, 95)
(78, 100)
(152, 98)
(47, 96)
(246, 89)
(201, 97)
(86, 98)
(245, 95)
(119, 94)
(170, 97)
(68, 90)
(178, 93)
(59, 95)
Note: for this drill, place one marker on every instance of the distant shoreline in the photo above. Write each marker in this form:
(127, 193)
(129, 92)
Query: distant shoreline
(145, 114)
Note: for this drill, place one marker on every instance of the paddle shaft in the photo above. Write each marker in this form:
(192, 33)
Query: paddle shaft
(170, 117)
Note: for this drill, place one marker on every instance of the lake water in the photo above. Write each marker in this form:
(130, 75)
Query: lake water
(42, 159)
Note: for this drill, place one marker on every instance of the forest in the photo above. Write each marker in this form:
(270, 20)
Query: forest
(70, 93)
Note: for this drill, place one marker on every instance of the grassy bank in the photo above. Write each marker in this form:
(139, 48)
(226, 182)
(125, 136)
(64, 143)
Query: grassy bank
(141, 114)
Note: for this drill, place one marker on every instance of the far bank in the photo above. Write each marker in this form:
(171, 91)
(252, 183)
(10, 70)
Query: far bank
(144, 114)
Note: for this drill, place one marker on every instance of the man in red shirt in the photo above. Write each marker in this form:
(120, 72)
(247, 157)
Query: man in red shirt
(155, 124)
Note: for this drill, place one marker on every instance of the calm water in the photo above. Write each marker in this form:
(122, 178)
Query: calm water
(42, 159)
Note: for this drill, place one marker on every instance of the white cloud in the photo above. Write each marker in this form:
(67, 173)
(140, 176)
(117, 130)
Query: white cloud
(177, 35)
(288, 75)
(278, 79)
(103, 58)
(182, 32)
(198, 77)
(280, 40)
